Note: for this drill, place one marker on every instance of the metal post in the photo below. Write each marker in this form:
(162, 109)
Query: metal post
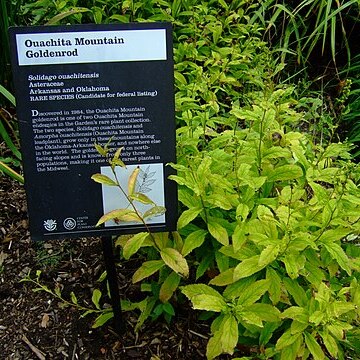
(107, 245)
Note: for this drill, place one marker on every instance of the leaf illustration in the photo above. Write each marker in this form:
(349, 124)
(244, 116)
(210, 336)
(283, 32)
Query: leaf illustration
(144, 190)
(150, 175)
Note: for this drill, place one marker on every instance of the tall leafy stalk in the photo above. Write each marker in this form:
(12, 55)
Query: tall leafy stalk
(5, 51)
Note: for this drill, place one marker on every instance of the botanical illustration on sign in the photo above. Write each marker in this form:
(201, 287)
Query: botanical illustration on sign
(129, 193)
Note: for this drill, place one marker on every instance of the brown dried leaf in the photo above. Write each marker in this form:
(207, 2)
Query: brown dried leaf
(3, 256)
(45, 321)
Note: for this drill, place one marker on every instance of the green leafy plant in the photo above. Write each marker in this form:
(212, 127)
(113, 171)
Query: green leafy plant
(9, 135)
(267, 238)
(9, 16)
(350, 115)
(299, 28)
(278, 209)
(102, 314)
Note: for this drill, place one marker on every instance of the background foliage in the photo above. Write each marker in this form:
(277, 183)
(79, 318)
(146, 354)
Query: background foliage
(267, 240)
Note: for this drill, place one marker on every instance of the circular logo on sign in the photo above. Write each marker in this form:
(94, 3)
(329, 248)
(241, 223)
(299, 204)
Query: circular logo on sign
(50, 225)
(69, 223)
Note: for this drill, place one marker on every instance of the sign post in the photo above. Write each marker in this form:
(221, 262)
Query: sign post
(80, 85)
(110, 266)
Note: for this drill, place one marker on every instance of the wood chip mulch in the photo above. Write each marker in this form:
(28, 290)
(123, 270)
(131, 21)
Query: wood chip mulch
(35, 325)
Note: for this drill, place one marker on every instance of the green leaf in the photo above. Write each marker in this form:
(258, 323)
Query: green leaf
(286, 339)
(146, 308)
(337, 253)
(334, 235)
(11, 172)
(239, 236)
(297, 313)
(338, 329)
(296, 291)
(253, 293)
(96, 296)
(117, 162)
(232, 291)
(265, 312)
(196, 289)
(101, 150)
(118, 153)
(330, 343)
(224, 278)
(208, 303)
(267, 332)
(168, 308)
(291, 351)
(229, 334)
(57, 290)
(119, 215)
(102, 319)
(73, 298)
(242, 212)
(204, 264)
(187, 216)
(141, 198)
(213, 348)
(298, 327)
(168, 287)
(222, 261)
(193, 241)
(293, 264)
(313, 346)
(251, 318)
(342, 307)
(316, 317)
(58, 17)
(218, 232)
(276, 152)
(274, 285)
(225, 337)
(154, 211)
(8, 95)
(175, 261)
(103, 179)
(180, 77)
(161, 239)
(134, 244)
(285, 172)
(219, 200)
(269, 254)
(86, 313)
(147, 269)
(247, 267)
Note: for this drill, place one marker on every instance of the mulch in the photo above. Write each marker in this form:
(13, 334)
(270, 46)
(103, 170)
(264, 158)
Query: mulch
(36, 325)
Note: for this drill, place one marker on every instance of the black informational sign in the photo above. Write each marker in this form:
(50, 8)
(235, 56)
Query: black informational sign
(77, 85)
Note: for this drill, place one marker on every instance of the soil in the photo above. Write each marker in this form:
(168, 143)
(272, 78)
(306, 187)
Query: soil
(36, 325)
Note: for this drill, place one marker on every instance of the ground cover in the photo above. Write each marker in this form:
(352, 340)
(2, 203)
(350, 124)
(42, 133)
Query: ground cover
(33, 324)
